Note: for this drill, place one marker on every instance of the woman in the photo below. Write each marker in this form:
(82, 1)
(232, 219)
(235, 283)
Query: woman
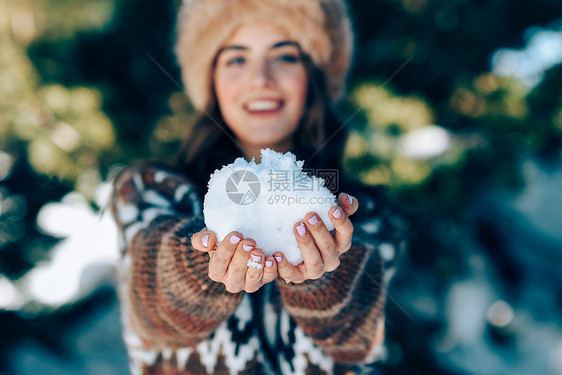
(264, 73)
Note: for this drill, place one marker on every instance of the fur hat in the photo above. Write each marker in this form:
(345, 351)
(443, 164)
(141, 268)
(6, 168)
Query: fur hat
(321, 27)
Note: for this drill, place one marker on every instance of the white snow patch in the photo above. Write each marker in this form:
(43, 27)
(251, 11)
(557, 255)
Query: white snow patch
(425, 143)
(89, 244)
(263, 201)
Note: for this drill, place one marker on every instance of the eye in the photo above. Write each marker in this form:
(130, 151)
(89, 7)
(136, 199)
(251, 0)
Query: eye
(288, 58)
(235, 61)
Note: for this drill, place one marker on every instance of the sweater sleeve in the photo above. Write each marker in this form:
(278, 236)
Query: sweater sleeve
(166, 296)
(343, 312)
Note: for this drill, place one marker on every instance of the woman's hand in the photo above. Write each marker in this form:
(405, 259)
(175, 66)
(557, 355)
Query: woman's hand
(320, 249)
(236, 262)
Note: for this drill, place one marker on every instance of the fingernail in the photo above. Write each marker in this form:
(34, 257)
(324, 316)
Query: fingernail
(205, 240)
(350, 199)
(268, 263)
(301, 229)
(234, 239)
(278, 259)
(247, 247)
(256, 258)
(313, 220)
(336, 213)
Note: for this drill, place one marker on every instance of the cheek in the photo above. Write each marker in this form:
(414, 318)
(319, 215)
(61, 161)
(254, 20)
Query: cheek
(226, 89)
(298, 87)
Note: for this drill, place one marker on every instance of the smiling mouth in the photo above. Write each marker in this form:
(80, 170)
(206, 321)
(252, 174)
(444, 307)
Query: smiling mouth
(264, 106)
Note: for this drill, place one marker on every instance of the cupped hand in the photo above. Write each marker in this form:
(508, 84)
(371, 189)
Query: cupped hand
(320, 249)
(236, 262)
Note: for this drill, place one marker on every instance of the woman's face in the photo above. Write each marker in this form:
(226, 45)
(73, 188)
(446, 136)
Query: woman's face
(261, 86)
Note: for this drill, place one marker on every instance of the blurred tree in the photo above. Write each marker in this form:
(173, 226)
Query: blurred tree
(450, 44)
(128, 60)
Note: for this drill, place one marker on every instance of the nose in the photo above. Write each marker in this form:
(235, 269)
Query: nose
(260, 74)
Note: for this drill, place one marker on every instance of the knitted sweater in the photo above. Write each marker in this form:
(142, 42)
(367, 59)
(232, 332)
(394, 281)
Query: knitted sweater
(178, 321)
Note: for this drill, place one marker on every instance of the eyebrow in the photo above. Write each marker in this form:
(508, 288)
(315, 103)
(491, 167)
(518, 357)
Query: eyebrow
(244, 48)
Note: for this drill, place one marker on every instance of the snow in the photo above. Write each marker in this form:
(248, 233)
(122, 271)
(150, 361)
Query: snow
(542, 52)
(85, 258)
(425, 143)
(263, 201)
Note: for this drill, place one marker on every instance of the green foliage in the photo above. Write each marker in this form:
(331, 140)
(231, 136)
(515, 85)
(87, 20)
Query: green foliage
(435, 56)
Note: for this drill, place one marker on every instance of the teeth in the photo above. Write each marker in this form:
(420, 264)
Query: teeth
(263, 105)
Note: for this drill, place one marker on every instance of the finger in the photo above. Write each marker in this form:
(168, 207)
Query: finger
(312, 258)
(286, 270)
(349, 203)
(236, 272)
(203, 241)
(254, 273)
(219, 262)
(324, 243)
(343, 229)
(270, 270)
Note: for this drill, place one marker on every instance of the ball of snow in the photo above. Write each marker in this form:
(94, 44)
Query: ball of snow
(263, 201)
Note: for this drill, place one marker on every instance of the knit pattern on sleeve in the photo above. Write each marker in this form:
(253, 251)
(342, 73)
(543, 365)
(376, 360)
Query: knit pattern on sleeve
(166, 295)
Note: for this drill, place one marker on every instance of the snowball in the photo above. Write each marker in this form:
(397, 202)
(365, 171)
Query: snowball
(263, 201)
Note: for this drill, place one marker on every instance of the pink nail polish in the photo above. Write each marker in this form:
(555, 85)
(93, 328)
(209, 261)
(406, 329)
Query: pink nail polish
(247, 247)
(256, 258)
(278, 259)
(350, 199)
(234, 239)
(313, 220)
(268, 263)
(205, 240)
(336, 213)
(301, 229)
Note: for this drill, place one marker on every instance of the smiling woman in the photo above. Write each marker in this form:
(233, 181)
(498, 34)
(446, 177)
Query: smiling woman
(261, 84)
(196, 305)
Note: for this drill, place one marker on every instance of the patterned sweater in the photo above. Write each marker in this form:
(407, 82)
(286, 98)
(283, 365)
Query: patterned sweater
(178, 321)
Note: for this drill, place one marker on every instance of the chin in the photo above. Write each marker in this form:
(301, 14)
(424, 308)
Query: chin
(267, 137)
(267, 142)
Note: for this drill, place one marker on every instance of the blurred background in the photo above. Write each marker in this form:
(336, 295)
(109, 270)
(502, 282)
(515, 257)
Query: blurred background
(456, 105)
